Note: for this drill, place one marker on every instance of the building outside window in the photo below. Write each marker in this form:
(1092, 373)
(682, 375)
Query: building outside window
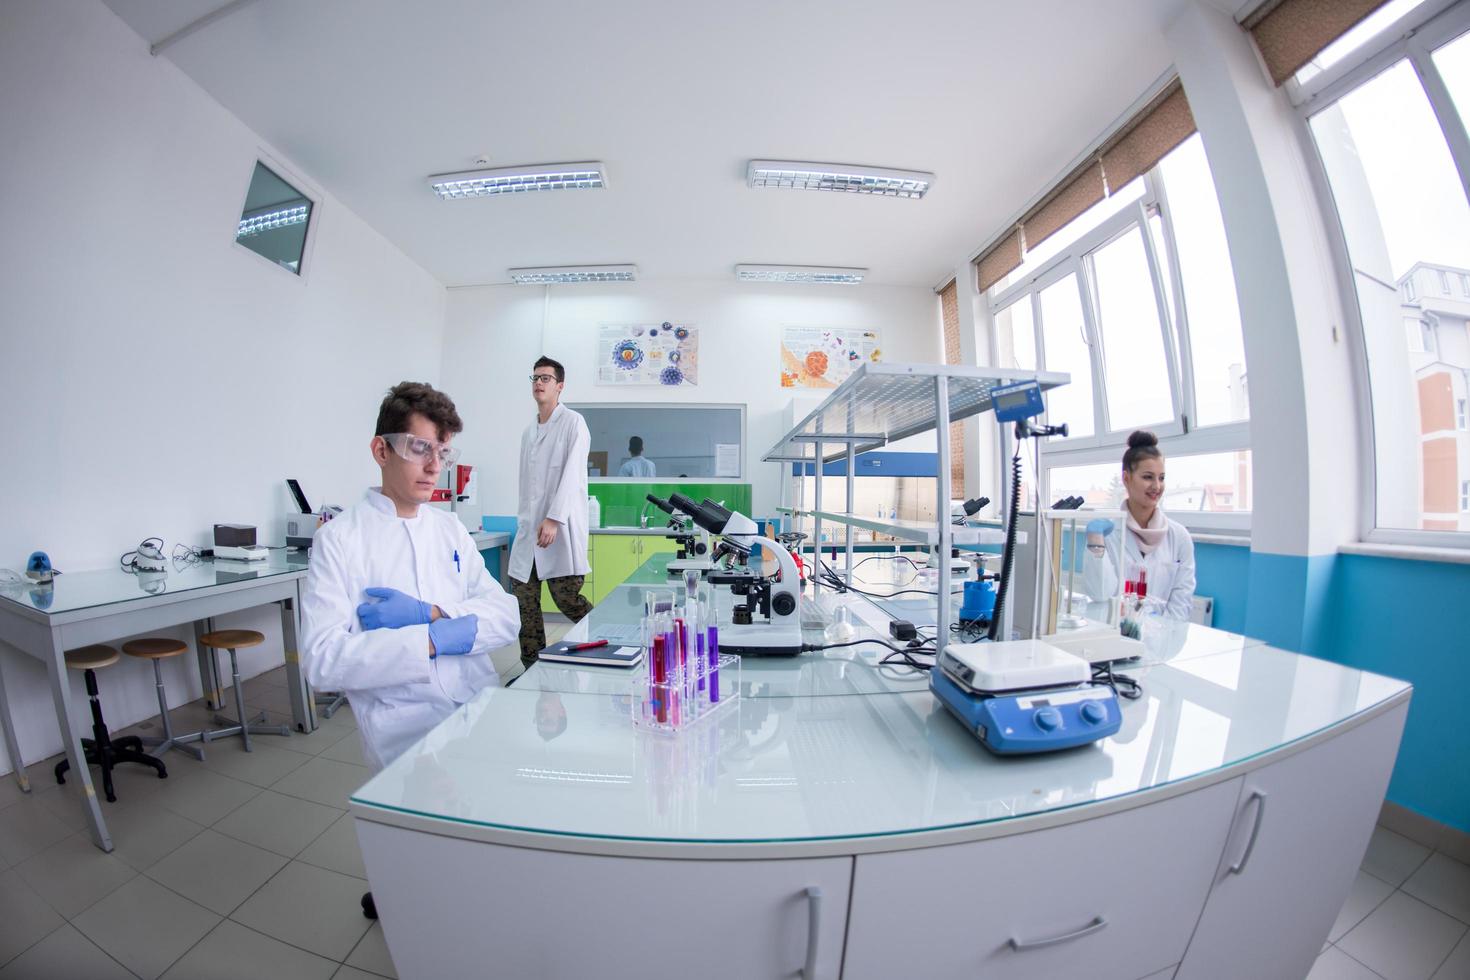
(1395, 161)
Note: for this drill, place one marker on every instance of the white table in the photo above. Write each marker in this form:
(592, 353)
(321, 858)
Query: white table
(836, 821)
(80, 608)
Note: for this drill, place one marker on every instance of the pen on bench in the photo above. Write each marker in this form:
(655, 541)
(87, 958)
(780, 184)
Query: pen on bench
(588, 646)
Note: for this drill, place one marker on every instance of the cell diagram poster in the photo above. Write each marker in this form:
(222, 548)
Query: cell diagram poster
(822, 357)
(664, 354)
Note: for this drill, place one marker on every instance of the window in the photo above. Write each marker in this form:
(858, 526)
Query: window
(1465, 284)
(1464, 496)
(1417, 333)
(1135, 300)
(275, 219)
(1380, 130)
(1214, 483)
(1460, 416)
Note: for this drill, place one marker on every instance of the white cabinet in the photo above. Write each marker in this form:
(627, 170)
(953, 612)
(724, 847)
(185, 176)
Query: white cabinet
(456, 908)
(1301, 827)
(1114, 898)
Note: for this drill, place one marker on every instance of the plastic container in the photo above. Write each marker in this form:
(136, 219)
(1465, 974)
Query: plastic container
(594, 512)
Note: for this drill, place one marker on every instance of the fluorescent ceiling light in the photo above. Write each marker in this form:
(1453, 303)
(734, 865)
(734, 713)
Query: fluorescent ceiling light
(838, 177)
(573, 273)
(800, 273)
(279, 218)
(519, 180)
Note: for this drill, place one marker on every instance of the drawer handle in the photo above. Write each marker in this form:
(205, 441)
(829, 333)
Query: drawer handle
(813, 931)
(1098, 924)
(1259, 799)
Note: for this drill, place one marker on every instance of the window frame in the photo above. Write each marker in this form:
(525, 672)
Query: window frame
(1412, 38)
(308, 190)
(1178, 435)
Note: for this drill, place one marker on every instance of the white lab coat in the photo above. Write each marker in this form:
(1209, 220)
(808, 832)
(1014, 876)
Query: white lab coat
(1170, 569)
(398, 694)
(553, 484)
(639, 466)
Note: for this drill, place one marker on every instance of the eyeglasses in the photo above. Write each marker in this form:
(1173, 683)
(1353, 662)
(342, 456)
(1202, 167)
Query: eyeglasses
(543, 378)
(417, 450)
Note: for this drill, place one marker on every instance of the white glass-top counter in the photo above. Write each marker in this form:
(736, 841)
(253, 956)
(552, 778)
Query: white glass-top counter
(829, 769)
(72, 591)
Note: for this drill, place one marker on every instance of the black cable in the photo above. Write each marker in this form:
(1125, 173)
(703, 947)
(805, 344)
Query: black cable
(1008, 558)
(1123, 685)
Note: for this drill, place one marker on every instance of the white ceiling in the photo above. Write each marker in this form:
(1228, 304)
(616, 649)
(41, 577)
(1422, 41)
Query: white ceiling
(371, 96)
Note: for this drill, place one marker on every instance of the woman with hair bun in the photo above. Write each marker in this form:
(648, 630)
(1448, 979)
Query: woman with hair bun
(1149, 540)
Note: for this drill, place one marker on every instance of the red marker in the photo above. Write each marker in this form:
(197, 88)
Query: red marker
(588, 646)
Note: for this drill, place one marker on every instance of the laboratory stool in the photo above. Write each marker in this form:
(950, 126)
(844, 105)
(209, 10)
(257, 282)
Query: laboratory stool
(101, 749)
(233, 640)
(156, 649)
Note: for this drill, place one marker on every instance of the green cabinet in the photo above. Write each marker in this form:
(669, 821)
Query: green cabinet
(613, 558)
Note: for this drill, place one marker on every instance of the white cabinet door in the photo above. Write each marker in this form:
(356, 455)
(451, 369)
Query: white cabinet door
(1301, 829)
(1113, 898)
(454, 908)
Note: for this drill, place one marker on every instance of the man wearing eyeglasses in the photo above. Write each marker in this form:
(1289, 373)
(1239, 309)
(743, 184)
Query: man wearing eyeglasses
(399, 611)
(551, 523)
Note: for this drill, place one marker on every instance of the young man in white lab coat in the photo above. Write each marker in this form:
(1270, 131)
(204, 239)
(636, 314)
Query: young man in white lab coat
(399, 612)
(551, 522)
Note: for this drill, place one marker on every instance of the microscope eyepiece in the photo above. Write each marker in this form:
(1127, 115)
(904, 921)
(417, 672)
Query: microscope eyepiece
(660, 503)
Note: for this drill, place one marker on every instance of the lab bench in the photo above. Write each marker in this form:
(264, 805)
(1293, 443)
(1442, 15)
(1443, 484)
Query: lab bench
(836, 821)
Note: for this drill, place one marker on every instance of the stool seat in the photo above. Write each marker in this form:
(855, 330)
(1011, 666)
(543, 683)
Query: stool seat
(232, 639)
(91, 657)
(155, 647)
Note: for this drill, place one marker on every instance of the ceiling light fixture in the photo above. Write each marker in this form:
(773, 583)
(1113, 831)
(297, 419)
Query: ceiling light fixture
(816, 274)
(838, 177)
(266, 221)
(545, 275)
(518, 180)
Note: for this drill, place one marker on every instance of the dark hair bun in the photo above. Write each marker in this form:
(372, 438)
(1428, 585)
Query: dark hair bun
(1142, 439)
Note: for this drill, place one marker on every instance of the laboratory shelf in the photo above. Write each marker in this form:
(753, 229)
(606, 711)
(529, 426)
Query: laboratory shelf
(880, 403)
(923, 532)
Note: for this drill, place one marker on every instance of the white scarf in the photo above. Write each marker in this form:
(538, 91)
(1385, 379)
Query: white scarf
(1150, 537)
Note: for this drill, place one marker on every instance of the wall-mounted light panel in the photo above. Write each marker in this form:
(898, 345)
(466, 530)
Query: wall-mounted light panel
(519, 180)
(797, 175)
(551, 274)
(816, 274)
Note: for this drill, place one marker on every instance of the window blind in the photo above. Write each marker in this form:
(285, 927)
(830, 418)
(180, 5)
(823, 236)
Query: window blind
(1290, 33)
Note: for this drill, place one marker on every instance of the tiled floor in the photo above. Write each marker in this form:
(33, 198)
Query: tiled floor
(1406, 918)
(247, 866)
(243, 866)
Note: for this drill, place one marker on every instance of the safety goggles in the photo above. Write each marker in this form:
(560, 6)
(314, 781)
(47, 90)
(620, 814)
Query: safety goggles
(417, 450)
(548, 379)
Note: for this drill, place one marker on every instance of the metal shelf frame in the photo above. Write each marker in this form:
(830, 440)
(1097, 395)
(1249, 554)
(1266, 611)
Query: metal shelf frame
(879, 404)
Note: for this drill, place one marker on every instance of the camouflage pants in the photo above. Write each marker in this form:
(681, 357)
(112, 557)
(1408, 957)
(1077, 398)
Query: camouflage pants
(566, 592)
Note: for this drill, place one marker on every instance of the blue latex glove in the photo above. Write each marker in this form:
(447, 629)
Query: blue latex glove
(453, 637)
(392, 610)
(1100, 526)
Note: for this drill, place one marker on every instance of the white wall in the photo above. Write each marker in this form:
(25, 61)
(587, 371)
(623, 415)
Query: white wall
(158, 378)
(495, 333)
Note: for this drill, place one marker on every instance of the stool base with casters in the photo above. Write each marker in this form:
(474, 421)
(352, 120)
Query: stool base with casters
(233, 640)
(102, 749)
(156, 649)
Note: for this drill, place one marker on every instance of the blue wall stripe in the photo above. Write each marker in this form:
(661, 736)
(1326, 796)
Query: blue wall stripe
(877, 464)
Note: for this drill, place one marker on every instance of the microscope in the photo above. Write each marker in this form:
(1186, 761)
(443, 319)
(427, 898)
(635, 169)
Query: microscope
(766, 620)
(693, 541)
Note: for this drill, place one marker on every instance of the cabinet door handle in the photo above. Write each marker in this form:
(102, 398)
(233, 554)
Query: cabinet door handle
(1098, 924)
(813, 931)
(1259, 799)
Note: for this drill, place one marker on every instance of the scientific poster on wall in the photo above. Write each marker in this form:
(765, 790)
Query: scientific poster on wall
(648, 354)
(822, 357)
